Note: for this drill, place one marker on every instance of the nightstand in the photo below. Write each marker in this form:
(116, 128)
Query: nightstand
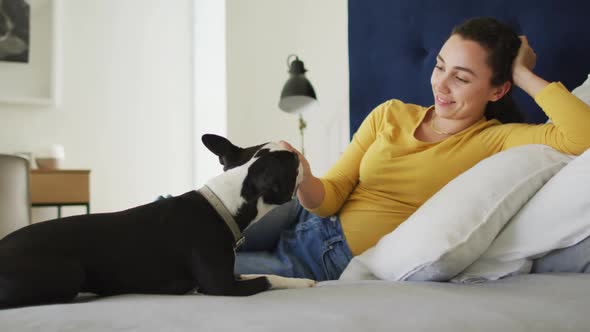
(60, 188)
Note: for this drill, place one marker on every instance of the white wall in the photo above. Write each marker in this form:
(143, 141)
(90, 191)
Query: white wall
(260, 36)
(126, 108)
(128, 91)
(210, 83)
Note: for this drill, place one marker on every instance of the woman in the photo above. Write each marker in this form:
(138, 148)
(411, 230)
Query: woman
(402, 154)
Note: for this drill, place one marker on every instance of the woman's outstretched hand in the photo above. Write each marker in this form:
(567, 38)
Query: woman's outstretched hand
(311, 190)
(304, 162)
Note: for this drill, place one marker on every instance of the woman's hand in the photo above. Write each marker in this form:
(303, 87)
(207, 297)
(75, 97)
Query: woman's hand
(526, 57)
(304, 162)
(522, 69)
(311, 190)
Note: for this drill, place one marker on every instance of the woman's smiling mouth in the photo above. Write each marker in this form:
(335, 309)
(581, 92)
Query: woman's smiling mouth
(443, 102)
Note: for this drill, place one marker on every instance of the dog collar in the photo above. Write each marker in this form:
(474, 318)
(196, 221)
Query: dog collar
(224, 213)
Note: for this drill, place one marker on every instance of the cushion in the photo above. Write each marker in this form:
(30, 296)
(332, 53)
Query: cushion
(457, 224)
(558, 216)
(358, 267)
(583, 91)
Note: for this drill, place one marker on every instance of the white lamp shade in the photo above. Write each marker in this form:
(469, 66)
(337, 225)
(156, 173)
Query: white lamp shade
(296, 104)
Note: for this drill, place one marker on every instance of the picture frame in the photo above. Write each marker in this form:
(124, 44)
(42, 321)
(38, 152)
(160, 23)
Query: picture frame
(36, 82)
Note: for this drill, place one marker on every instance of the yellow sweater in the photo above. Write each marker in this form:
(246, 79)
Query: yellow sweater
(385, 173)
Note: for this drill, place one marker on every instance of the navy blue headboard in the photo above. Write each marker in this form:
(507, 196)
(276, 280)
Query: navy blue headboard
(393, 45)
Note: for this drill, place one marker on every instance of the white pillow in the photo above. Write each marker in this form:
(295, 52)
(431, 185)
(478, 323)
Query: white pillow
(558, 216)
(583, 91)
(358, 267)
(456, 225)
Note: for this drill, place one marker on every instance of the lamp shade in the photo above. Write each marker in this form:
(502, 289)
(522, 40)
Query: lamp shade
(297, 93)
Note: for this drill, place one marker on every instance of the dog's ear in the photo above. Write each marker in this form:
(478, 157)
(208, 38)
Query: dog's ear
(221, 147)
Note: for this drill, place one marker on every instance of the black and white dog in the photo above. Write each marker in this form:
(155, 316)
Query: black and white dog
(171, 246)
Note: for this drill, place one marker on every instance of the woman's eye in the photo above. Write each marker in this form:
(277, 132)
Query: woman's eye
(439, 67)
(461, 79)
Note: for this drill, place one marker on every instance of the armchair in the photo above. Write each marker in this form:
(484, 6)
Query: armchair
(15, 200)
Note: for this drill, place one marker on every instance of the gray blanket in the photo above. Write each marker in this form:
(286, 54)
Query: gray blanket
(524, 303)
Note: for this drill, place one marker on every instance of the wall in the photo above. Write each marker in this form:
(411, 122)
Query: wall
(210, 83)
(260, 36)
(133, 113)
(126, 107)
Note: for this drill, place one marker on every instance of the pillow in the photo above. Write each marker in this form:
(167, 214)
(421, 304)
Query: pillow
(358, 267)
(457, 224)
(583, 91)
(541, 226)
(558, 216)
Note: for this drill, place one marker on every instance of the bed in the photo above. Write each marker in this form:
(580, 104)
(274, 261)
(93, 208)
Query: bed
(526, 303)
(392, 45)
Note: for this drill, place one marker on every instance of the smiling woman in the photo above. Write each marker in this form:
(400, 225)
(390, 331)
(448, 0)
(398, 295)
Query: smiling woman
(494, 48)
(472, 78)
(402, 154)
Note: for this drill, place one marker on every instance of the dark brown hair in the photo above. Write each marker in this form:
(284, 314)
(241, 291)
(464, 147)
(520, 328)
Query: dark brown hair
(502, 44)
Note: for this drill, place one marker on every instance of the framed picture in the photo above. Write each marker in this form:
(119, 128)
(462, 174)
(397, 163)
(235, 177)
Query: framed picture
(29, 52)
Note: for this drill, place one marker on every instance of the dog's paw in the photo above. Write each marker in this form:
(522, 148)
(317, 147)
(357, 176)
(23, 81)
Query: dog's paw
(278, 282)
(310, 283)
(302, 283)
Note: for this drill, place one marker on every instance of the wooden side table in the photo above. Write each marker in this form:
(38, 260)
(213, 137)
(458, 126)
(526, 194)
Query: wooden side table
(60, 188)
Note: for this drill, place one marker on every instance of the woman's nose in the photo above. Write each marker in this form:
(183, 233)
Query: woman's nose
(440, 84)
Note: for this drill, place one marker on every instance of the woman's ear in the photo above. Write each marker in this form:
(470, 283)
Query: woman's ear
(499, 91)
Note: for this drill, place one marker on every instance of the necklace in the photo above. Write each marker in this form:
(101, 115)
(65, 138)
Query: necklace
(440, 132)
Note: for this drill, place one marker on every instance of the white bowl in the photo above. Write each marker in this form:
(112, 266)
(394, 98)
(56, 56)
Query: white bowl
(47, 163)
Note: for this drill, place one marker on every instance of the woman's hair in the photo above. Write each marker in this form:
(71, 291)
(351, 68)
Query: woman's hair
(502, 44)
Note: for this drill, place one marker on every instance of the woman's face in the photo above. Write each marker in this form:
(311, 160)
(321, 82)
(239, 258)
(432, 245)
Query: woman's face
(461, 80)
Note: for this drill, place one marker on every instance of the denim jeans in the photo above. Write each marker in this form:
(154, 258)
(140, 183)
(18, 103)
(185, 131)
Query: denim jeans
(291, 242)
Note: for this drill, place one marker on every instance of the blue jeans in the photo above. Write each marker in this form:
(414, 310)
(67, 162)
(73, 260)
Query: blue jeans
(291, 242)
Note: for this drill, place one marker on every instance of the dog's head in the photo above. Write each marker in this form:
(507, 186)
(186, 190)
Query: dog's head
(269, 171)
